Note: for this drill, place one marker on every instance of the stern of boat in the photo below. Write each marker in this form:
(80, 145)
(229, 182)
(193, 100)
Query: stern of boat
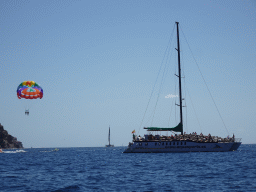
(236, 144)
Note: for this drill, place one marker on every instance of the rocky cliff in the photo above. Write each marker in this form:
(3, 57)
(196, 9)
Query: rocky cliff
(8, 141)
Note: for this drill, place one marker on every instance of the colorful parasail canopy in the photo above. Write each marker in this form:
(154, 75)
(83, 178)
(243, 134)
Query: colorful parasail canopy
(29, 90)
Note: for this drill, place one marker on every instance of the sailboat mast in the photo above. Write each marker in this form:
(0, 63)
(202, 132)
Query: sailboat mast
(178, 44)
(109, 135)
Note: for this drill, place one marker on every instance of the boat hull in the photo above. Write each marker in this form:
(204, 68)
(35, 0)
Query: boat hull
(109, 145)
(180, 147)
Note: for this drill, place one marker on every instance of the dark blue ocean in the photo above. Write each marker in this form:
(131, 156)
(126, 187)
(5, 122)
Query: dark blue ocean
(108, 169)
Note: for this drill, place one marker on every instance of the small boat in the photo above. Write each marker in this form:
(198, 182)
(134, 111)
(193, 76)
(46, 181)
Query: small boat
(192, 142)
(16, 151)
(109, 145)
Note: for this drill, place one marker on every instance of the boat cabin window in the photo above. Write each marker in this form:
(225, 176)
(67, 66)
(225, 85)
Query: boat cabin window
(177, 143)
(140, 144)
(180, 143)
(146, 144)
(159, 143)
(173, 143)
(166, 143)
(185, 143)
(163, 143)
(155, 143)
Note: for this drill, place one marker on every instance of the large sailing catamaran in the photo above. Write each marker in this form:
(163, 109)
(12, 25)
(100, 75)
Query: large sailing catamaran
(183, 142)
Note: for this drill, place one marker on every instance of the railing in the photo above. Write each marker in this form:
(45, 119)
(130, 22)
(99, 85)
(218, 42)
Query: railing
(238, 139)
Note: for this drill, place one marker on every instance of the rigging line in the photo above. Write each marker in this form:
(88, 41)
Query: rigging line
(186, 118)
(164, 73)
(185, 104)
(192, 106)
(170, 40)
(186, 108)
(153, 90)
(205, 83)
(175, 113)
(173, 100)
(150, 117)
(175, 90)
(183, 72)
(170, 113)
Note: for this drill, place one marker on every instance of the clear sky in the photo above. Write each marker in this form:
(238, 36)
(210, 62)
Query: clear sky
(98, 61)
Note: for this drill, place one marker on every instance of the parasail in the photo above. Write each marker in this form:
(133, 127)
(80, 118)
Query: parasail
(29, 90)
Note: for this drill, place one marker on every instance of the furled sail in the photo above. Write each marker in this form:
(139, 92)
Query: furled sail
(178, 128)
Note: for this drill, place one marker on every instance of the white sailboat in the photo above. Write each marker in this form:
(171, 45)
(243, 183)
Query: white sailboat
(109, 145)
(182, 142)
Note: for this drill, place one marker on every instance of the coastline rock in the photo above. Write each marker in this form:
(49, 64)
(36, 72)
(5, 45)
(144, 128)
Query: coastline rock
(8, 141)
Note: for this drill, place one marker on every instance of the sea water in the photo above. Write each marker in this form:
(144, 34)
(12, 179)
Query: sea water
(108, 169)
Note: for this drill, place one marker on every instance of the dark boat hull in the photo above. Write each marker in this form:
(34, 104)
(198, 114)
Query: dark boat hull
(109, 145)
(180, 147)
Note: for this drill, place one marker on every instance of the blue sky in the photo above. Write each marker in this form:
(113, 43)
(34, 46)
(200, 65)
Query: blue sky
(98, 61)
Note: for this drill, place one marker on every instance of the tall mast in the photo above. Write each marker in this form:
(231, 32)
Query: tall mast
(109, 135)
(178, 43)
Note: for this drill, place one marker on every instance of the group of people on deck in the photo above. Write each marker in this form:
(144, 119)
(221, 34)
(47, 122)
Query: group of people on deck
(185, 137)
